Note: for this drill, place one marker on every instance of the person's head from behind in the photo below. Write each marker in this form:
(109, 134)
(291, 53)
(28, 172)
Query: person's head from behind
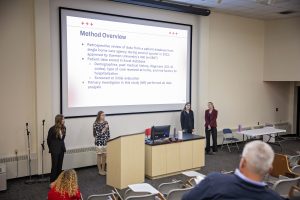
(66, 183)
(100, 116)
(257, 159)
(187, 106)
(210, 105)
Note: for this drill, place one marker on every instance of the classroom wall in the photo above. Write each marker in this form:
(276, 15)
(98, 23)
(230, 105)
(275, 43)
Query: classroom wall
(17, 76)
(235, 70)
(228, 64)
(282, 50)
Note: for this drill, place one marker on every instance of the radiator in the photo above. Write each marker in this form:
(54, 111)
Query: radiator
(17, 166)
(3, 185)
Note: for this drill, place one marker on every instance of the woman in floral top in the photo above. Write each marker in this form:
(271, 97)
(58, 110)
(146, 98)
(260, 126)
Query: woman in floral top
(102, 135)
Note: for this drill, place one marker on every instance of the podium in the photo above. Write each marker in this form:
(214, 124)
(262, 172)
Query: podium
(126, 160)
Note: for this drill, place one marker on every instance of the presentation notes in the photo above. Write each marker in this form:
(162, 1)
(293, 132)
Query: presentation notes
(114, 63)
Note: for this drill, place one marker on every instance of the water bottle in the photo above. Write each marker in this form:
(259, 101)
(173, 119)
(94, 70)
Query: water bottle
(239, 128)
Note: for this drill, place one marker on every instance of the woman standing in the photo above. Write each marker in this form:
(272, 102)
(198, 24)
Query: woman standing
(56, 145)
(102, 135)
(65, 187)
(211, 115)
(187, 119)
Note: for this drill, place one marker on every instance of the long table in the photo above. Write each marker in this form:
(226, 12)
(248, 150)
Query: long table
(269, 132)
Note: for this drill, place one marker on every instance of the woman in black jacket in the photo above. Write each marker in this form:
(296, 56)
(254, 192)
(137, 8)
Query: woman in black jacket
(56, 145)
(187, 119)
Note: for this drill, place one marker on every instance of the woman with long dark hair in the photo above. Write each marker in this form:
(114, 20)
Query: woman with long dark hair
(187, 119)
(211, 115)
(56, 145)
(102, 135)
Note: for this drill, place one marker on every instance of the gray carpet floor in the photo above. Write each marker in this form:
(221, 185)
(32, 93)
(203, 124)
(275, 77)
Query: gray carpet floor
(92, 183)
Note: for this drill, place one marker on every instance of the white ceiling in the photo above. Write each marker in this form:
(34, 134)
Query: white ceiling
(259, 9)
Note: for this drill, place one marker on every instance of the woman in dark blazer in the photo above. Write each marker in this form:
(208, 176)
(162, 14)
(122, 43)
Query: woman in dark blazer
(56, 145)
(211, 115)
(187, 119)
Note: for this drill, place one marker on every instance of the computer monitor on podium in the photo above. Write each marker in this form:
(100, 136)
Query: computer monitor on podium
(160, 132)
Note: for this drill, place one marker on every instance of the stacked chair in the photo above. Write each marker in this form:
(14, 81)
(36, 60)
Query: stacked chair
(131, 195)
(283, 178)
(174, 190)
(108, 196)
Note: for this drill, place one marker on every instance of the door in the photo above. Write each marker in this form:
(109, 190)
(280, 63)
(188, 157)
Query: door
(298, 111)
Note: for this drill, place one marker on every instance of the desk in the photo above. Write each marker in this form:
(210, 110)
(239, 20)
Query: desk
(165, 159)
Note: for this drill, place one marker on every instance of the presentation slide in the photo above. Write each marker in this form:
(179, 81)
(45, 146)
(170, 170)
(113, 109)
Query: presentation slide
(122, 65)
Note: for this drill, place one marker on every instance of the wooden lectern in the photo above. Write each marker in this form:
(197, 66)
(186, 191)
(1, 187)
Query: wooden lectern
(126, 160)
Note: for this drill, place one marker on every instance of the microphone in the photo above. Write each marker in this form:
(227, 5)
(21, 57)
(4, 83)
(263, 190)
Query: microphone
(28, 132)
(43, 122)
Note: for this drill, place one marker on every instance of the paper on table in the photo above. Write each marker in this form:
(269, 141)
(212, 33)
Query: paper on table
(180, 135)
(143, 187)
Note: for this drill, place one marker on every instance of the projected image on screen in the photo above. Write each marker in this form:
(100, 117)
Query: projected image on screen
(122, 64)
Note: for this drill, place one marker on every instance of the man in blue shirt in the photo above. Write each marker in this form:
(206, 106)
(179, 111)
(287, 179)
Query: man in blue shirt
(247, 181)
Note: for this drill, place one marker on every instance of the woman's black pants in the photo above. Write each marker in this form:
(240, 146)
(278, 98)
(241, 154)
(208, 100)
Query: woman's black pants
(56, 167)
(213, 133)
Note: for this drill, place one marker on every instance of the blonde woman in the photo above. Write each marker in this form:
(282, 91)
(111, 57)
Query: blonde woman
(65, 187)
(56, 145)
(102, 135)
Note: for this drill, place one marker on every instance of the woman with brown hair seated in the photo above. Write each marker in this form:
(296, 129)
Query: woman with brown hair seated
(65, 187)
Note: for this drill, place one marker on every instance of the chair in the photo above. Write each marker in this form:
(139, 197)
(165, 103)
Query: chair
(177, 194)
(269, 125)
(117, 194)
(283, 187)
(229, 139)
(192, 182)
(281, 167)
(165, 188)
(145, 197)
(129, 193)
(294, 193)
(294, 160)
(227, 172)
(296, 169)
(108, 196)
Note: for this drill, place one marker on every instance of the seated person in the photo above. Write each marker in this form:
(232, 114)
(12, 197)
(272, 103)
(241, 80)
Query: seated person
(65, 187)
(245, 183)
